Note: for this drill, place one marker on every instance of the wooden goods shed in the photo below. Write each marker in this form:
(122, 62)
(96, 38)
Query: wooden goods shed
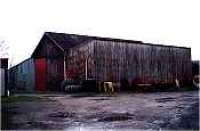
(61, 56)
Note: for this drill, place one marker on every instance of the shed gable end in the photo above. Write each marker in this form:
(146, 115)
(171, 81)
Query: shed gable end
(47, 49)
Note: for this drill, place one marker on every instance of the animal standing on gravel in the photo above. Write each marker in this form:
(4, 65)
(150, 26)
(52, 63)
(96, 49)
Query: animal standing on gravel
(107, 87)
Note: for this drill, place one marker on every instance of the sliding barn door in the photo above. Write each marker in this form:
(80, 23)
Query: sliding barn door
(41, 74)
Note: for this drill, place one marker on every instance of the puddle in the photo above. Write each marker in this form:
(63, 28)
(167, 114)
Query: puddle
(83, 95)
(93, 128)
(116, 117)
(100, 99)
(62, 114)
(51, 96)
(186, 96)
(167, 99)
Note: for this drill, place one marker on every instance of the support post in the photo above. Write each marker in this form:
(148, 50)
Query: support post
(86, 68)
(65, 77)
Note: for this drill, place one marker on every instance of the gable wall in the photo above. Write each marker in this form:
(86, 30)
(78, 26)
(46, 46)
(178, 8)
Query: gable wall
(55, 62)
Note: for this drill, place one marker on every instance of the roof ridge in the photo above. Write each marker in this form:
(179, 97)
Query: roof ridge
(118, 40)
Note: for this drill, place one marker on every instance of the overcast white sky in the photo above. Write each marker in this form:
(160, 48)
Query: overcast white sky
(170, 22)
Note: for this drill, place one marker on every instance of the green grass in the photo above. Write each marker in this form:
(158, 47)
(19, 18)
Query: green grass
(7, 113)
(189, 88)
(11, 99)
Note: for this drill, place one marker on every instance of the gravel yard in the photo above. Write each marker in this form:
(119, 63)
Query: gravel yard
(80, 111)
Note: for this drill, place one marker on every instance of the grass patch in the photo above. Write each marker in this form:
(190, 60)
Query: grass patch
(8, 109)
(11, 99)
(190, 88)
(84, 95)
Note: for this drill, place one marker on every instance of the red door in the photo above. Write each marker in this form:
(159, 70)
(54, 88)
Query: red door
(40, 74)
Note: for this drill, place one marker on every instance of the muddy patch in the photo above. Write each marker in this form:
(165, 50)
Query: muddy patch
(166, 99)
(80, 95)
(44, 125)
(187, 96)
(116, 117)
(100, 99)
(62, 114)
(121, 111)
(39, 124)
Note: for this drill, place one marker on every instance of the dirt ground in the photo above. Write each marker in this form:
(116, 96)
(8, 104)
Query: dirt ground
(124, 111)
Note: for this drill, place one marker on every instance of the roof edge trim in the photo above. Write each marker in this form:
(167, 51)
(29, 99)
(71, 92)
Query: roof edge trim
(54, 41)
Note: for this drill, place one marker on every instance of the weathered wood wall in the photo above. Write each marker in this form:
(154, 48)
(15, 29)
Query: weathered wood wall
(195, 68)
(136, 63)
(76, 61)
(141, 63)
(55, 62)
(55, 66)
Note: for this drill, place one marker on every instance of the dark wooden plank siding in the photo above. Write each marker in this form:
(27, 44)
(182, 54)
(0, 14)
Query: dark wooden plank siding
(137, 63)
(55, 62)
(55, 66)
(141, 63)
(112, 60)
(195, 68)
(76, 60)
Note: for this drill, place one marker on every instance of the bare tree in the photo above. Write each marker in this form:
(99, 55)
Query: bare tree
(3, 49)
